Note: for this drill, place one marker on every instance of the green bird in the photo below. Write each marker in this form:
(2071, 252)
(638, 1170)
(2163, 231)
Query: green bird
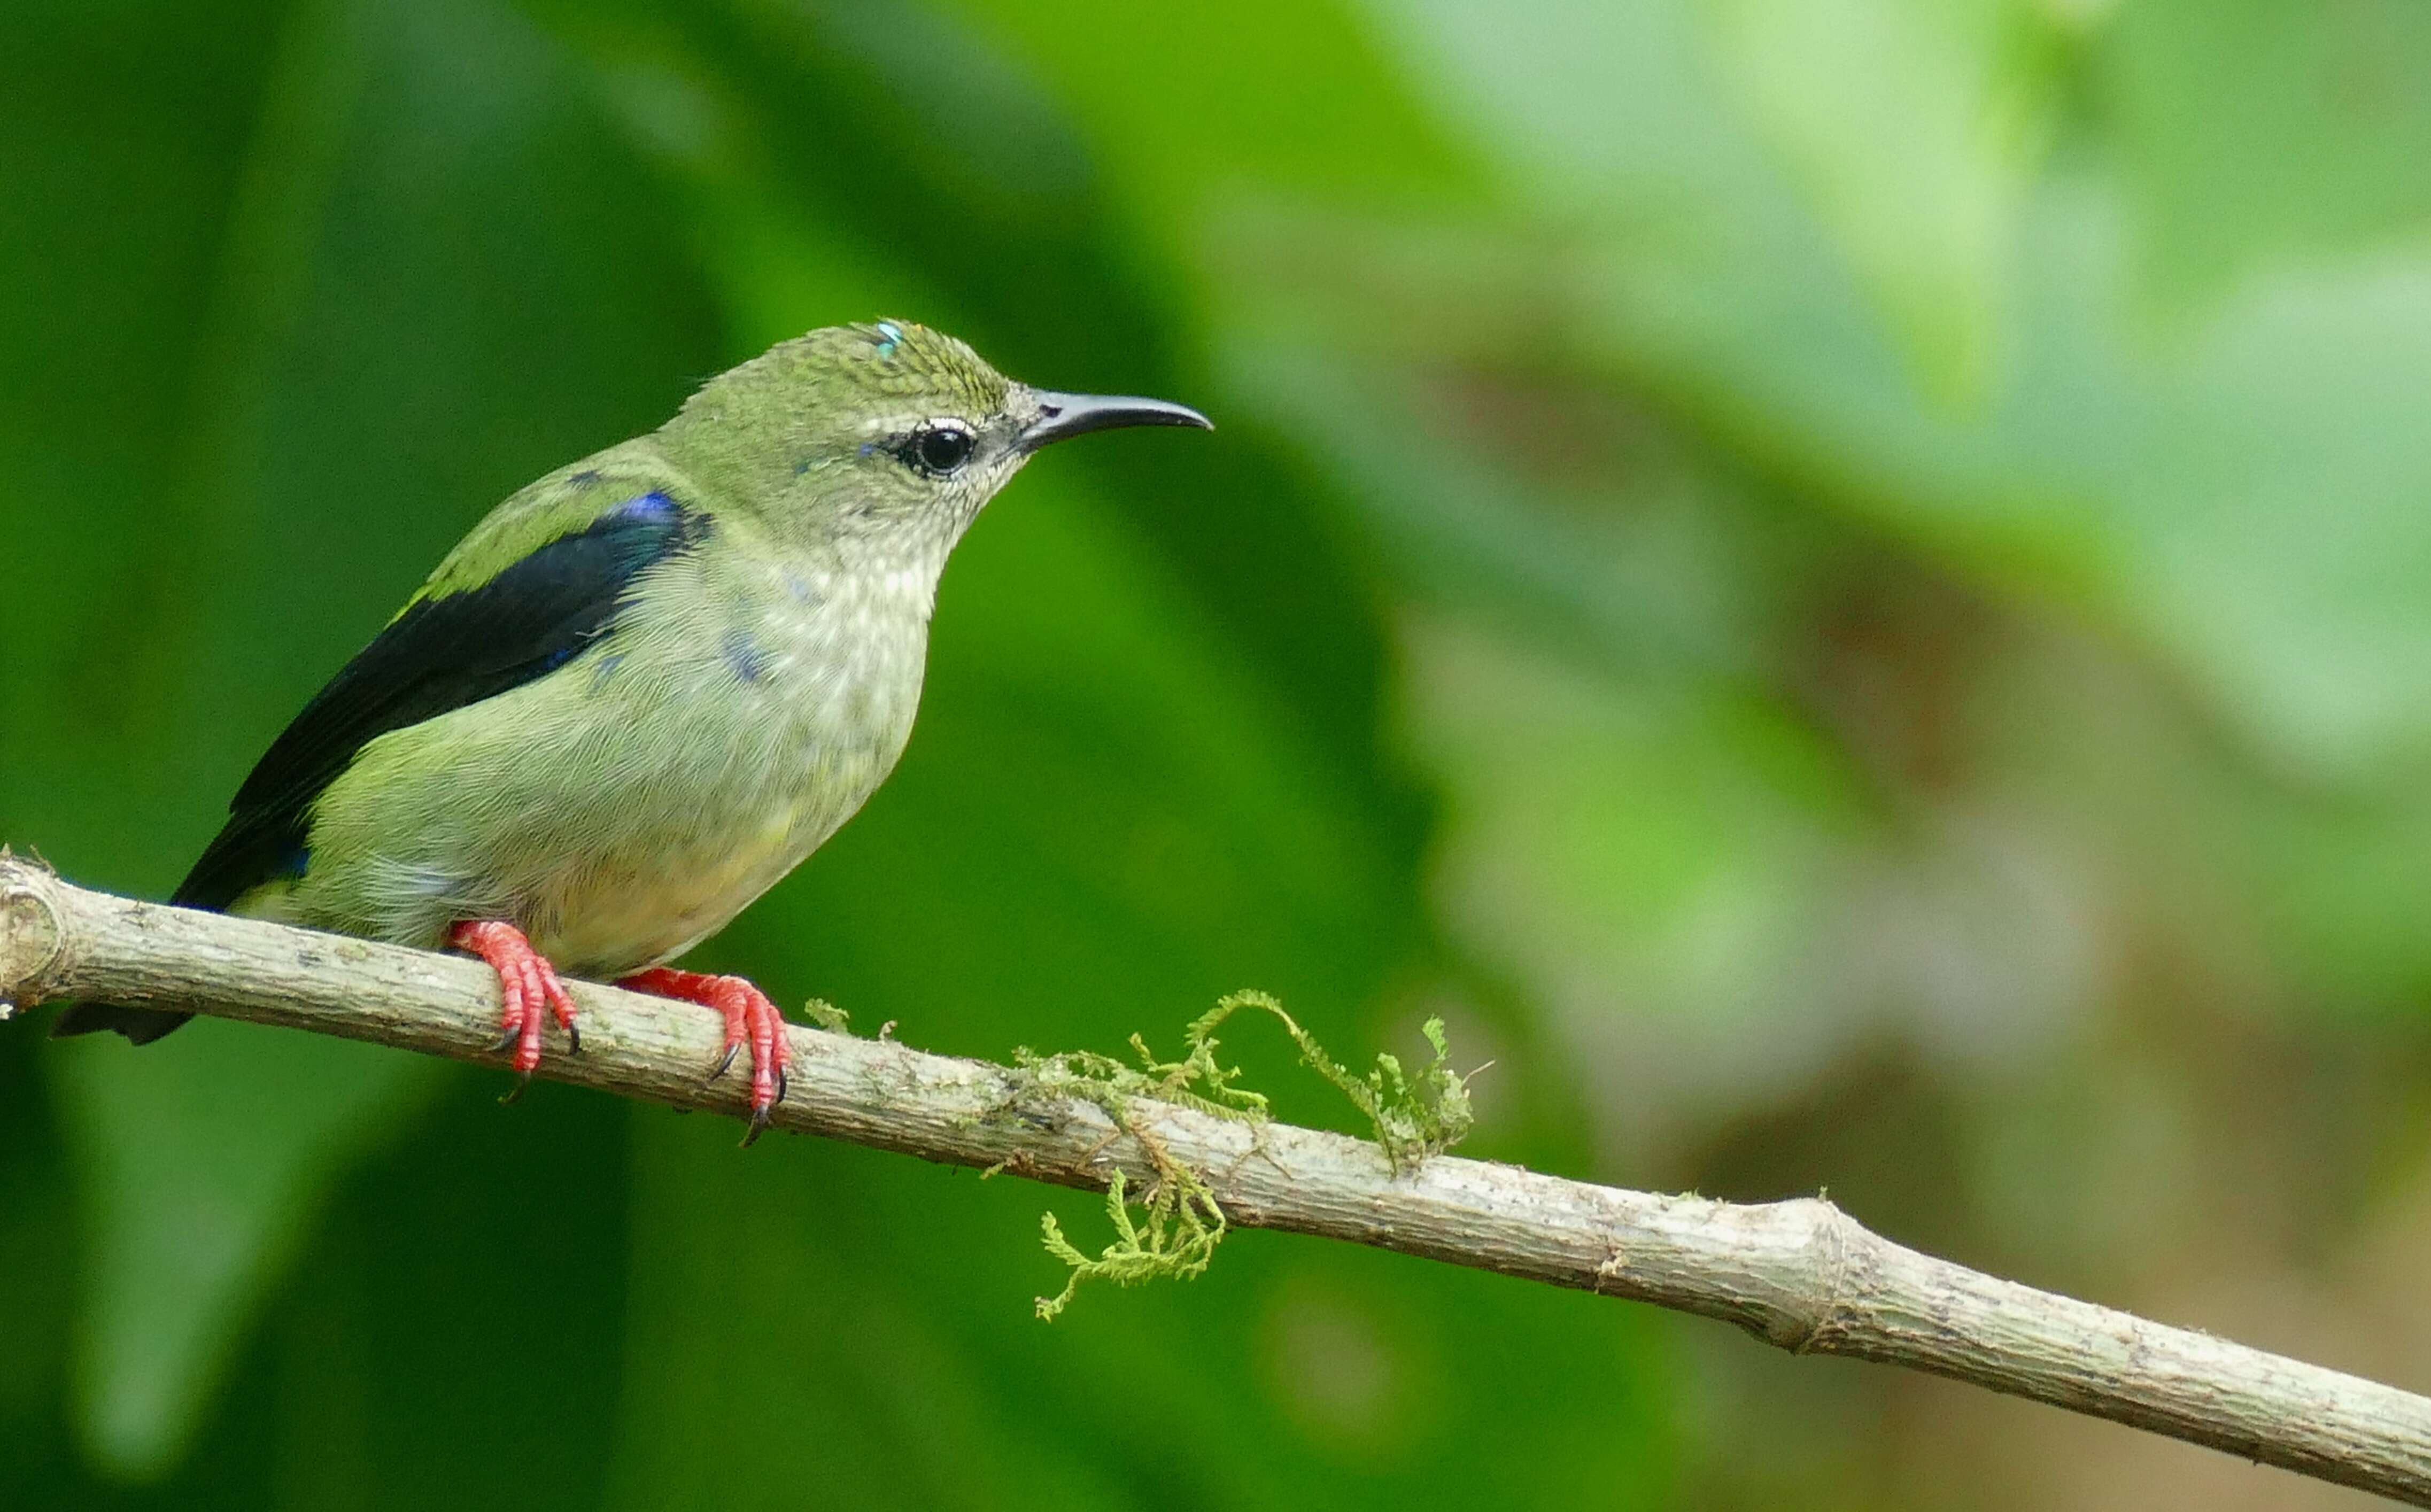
(644, 688)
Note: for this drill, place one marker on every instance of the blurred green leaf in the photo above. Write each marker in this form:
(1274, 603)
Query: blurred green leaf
(2261, 138)
(1914, 127)
(2238, 492)
(1180, 104)
(763, 1322)
(202, 1170)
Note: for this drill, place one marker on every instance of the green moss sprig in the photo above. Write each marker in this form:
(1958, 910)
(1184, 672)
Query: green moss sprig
(1178, 1221)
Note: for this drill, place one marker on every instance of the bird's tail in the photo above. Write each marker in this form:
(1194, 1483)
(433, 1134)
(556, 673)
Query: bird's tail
(141, 1026)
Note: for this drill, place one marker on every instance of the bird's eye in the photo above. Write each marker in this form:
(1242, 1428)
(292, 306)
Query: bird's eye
(942, 448)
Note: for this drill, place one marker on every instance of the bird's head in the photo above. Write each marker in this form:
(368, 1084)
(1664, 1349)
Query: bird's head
(888, 436)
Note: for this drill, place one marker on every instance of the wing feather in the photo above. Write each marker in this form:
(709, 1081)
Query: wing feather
(470, 634)
(449, 647)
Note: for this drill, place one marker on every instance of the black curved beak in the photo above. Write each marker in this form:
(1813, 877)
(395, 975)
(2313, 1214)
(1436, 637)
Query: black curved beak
(1062, 416)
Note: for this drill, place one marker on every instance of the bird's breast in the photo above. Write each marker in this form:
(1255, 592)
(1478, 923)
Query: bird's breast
(775, 722)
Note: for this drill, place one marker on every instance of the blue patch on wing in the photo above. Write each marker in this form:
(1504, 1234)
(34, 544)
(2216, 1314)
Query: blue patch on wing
(652, 508)
(893, 335)
(743, 655)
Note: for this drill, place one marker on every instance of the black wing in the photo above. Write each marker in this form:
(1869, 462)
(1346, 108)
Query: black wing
(440, 655)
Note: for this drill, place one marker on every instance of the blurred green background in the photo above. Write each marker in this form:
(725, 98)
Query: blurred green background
(1843, 585)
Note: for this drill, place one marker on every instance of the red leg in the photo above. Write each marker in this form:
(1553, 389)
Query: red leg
(528, 991)
(750, 1017)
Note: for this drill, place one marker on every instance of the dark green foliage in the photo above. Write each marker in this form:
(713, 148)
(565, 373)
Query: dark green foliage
(319, 286)
(1840, 588)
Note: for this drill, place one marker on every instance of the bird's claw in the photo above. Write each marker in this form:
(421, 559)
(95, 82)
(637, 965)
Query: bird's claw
(763, 1115)
(751, 1019)
(530, 993)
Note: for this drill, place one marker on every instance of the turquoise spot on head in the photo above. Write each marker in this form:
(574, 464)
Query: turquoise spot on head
(894, 338)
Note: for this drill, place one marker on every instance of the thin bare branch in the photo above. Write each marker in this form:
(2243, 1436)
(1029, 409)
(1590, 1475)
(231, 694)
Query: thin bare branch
(1801, 1274)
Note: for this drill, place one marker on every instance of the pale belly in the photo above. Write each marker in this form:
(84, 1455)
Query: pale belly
(622, 810)
(605, 920)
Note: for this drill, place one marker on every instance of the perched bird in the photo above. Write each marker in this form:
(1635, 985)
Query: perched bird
(644, 688)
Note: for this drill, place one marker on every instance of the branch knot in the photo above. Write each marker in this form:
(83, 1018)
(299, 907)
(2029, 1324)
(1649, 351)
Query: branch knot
(31, 939)
(1819, 1316)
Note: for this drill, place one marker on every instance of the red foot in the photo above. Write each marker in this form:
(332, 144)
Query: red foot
(528, 990)
(748, 1014)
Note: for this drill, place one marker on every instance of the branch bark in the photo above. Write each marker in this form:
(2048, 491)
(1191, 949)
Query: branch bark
(1799, 1274)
